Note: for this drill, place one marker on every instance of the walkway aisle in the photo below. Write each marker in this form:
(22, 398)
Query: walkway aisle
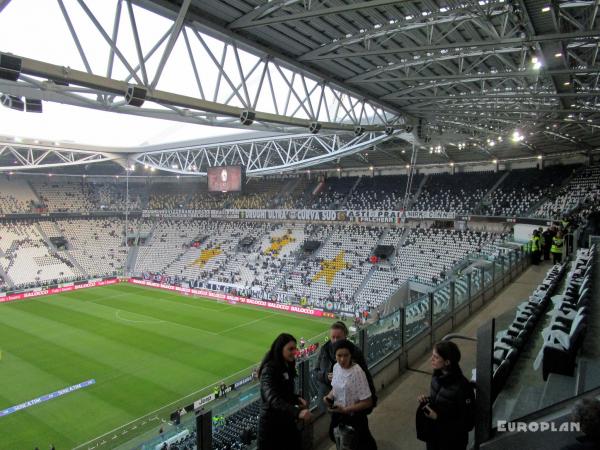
(392, 422)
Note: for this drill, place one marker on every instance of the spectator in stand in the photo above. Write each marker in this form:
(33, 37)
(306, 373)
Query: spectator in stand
(536, 247)
(547, 238)
(587, 413)
(349, 400)
(280, 407)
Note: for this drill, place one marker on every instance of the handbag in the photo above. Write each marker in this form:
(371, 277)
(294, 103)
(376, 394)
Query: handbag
(345, 437)
(424, 425)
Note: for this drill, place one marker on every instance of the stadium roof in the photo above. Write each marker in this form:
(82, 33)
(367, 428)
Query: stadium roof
(462, 80)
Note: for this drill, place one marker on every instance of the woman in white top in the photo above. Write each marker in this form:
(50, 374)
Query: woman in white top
(350, 397)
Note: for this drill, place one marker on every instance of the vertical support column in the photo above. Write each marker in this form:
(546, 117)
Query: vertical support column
(307, 429)
(304, 373)
(484, 400)
(452, 302)
(362, 340)
(204, 430)
(469, 291)
(403, 333)
(431, 338)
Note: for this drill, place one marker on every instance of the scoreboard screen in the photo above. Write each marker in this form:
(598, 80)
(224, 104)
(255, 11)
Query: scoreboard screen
(225, 178)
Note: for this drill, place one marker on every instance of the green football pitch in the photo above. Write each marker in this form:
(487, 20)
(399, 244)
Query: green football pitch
(147, 349)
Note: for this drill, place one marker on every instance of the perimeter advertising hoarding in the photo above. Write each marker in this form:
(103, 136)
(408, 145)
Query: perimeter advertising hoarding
(235, 298)
(225, 178)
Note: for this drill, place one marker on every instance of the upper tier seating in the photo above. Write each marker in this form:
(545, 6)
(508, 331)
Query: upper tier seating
(335, 192)
(583, 187)
(15, 196)
(460, 193)
(61, 196)
(382, 192)
(523, 189)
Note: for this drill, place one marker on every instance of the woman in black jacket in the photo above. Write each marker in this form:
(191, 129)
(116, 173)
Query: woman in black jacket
(280, 407)
(445, 405)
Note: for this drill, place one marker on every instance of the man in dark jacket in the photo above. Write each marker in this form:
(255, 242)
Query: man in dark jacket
(547, 239)
(338, 331)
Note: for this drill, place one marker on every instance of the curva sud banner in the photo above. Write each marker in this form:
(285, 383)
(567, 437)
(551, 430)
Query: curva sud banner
(56, 290)
(233, 298)
(346, 215)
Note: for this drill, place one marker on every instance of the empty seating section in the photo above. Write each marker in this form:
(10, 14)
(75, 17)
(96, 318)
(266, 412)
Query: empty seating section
(583, 187)
(381, 192)
(170, 240)
(427, 255)
(509, 343)
(26, 258)
(564, 335)
(382, 281)
(185, 195)
(112, 196)
(460, 193)
(64, 196)
(258, 194)
(334, 194)
(524, 189)
(97, 245)
(296, 198)
(15, 196)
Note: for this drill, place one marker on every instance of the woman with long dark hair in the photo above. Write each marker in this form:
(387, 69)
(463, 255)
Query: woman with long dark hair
(280, 407)
(349, 401)
(445, 408)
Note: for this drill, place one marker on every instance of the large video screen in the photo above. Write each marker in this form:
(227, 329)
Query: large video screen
(225, 179)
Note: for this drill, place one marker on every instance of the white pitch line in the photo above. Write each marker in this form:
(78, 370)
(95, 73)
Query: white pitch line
(247, 323)
(156, 321)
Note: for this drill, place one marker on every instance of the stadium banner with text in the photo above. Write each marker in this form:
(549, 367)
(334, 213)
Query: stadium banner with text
(323, 215)
(39, 292)
(45, 398)
(233, 298)
(430, 215)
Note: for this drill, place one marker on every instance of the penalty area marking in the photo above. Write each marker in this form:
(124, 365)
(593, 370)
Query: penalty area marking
(154, 321)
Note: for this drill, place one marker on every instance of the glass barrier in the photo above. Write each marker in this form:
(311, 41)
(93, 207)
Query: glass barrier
(383, 338)
(461, 290)
(499, 268)
(416, 318)
(314, 394)
(441, 302)
(488, 276)
(476, 281)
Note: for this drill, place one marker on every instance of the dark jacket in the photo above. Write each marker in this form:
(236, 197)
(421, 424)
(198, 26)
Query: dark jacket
(447, 397)
(278, 409)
